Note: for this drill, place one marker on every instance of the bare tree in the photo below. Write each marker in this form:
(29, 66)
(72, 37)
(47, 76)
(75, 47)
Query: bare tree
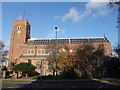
(3, 53)
(54, 55)
(68, 59)
(91, 59)
(84, 53)
(117, 50)
(111, 4)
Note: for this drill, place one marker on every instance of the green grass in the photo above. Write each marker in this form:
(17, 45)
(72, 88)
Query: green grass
(104, 81)
(114, 81)
(35, 77)
(16, 81)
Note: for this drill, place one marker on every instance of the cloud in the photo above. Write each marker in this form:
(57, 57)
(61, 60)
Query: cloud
(95, 5)
(100, 13)
(75, 15)
(92, 9)
(53, 33)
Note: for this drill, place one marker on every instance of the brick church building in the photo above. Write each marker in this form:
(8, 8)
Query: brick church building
(25, 49)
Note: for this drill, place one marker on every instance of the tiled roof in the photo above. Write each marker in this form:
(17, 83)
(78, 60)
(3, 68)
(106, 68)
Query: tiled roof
(66, 41)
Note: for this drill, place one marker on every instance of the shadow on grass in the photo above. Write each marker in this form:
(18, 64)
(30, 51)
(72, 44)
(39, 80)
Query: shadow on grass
(67, 84)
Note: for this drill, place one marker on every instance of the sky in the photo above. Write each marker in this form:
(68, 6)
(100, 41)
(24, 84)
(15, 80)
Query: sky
(73, 19)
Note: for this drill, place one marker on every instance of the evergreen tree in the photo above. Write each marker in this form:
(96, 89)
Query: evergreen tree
(24, 67)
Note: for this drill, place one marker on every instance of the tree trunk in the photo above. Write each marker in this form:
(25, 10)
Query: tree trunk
(26, 75)
(4, 74)
(53, 72)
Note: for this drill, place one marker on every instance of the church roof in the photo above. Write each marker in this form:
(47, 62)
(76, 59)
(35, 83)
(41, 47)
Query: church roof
(67, 41)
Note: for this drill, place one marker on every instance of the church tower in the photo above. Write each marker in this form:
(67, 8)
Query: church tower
(20, 35)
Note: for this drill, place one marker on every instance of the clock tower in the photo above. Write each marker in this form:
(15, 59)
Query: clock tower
(20, 35)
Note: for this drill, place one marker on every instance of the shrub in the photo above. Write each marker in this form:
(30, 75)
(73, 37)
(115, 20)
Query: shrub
(98, 76)
(24, 67)
(48, 77)
(85, 77)
(70, 74)
(8, 77)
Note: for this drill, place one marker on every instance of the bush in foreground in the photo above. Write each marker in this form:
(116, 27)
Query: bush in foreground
(24, 68)
(70, 74)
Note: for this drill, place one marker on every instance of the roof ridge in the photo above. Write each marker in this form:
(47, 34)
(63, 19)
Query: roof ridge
(68, 41)
(63, 38)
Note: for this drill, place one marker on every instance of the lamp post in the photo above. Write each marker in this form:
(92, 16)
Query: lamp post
(56, 52)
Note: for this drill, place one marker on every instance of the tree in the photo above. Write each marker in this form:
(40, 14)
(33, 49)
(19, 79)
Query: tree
(113, 68)
(54, 54)
(91, 59)
(24, 67)
(1, 48)
(98, 62)
(3, 53)
(68, 59)
(111, 4)
(85, 52)
(117, 50)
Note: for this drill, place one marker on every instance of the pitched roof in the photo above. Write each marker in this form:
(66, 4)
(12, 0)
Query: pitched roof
(67, 41)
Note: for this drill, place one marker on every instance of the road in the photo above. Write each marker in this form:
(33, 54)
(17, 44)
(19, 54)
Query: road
(60, 86)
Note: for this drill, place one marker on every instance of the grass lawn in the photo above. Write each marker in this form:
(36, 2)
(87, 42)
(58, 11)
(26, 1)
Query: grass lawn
(114, 81)
(59, 81)
(48, 81)
(16, 81)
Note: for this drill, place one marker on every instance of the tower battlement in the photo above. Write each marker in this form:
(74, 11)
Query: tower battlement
(21, 22)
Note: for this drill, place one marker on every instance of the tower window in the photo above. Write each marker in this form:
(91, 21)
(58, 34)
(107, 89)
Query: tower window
(19, 27)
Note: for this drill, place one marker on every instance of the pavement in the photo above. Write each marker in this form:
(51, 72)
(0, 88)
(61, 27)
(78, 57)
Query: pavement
(81, 84)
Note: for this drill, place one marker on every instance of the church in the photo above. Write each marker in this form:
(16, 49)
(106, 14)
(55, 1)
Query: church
(25, 49)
